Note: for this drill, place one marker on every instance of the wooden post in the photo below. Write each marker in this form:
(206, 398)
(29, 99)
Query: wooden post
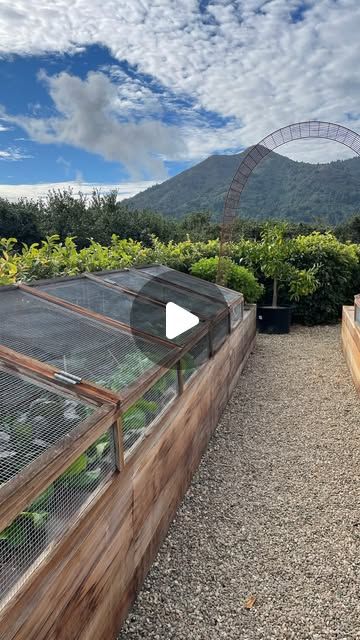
(119, 443)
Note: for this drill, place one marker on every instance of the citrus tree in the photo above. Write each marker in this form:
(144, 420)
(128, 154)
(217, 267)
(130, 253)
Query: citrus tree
(273, 254)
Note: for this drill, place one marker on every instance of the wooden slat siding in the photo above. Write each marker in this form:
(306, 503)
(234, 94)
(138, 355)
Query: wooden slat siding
(93, 315)
(19, 363)
(351, 345)
(191, 455)
(350, 334)
(86, 588)
(27, 485)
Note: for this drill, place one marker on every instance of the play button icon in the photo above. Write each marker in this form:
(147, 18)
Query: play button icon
(172, 314)
(178, 320)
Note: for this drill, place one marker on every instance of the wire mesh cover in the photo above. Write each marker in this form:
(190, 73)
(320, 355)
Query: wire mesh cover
(194, 358)
(236, 314)
(220, 331)
(136, 281)
(136, 312)
(108, 302)
(191, 282)
(32, 419)
(47, 518)
(73, 343)
(140, 416)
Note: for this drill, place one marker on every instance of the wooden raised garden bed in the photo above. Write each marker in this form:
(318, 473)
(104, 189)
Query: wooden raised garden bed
(350, 333)
(101, 429)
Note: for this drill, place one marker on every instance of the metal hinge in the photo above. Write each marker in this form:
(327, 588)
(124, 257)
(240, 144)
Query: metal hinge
(67, 378)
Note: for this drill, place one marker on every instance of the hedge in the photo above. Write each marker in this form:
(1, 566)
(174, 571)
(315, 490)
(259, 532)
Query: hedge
(338, 265)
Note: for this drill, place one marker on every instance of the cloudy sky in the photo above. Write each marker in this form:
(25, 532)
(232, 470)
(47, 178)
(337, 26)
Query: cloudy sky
(130, 92)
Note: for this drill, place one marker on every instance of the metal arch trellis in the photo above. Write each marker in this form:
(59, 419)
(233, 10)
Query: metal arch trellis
(297, 131)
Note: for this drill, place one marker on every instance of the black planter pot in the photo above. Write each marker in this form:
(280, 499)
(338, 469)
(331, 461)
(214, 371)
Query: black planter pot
(273, 319)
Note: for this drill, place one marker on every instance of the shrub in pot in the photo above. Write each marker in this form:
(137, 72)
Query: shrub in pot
(274, 254)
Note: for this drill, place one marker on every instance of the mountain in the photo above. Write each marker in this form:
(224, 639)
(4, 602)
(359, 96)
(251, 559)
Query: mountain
(279, 187)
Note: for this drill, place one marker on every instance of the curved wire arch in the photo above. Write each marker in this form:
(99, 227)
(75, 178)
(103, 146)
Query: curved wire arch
(254, 155)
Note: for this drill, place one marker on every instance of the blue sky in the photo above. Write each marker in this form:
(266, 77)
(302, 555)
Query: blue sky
(132, 92)
(24, 92)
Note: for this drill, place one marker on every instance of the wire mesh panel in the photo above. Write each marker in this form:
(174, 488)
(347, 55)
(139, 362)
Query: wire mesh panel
(73, 343)
(140, 416)
(195, 357)
(197, 285)
(219, 334)
(193, 302)
(32, 419)
(52, 512)
(108, 302)
(236, 314)
(116, 304)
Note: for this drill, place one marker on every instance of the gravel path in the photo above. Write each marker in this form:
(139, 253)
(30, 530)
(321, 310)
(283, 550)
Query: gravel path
(273, 511)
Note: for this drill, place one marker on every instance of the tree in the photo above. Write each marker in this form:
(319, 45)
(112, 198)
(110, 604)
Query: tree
(273, 255)
(20, 220)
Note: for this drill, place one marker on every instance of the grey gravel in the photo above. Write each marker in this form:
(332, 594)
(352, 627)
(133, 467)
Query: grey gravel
(273, 510)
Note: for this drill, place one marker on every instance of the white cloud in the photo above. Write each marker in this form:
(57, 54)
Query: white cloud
(125, 190)
(13, 154)
(64, 163)
(88, 119)
(245, 60)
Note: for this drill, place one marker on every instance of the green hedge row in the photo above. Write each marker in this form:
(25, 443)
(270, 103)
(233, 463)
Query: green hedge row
(337, 266)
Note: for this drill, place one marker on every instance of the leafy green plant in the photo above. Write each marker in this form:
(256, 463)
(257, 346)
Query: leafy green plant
(132, 366)
(299, 262)
(338, 276)
(188, 362)
(139, 414)
(27, 523)
(134, 418)
(42, 501)
(99, 449)
(86, 471)
(274, 255)
(237, 277)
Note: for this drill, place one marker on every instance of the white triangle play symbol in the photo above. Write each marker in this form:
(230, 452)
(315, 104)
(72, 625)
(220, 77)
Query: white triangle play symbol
(178, 320)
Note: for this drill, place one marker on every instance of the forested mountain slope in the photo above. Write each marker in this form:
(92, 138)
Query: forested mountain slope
(279, 187)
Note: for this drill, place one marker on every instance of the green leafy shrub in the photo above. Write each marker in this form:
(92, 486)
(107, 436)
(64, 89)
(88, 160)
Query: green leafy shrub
(337, 273)
(236, 276)
(274, 254)
(337, 268)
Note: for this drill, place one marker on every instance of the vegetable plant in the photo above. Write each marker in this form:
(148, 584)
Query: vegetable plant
(27, 523)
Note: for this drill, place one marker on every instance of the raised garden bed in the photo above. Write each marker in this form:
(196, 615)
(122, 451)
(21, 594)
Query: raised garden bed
(350, 333)
(101, 429)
